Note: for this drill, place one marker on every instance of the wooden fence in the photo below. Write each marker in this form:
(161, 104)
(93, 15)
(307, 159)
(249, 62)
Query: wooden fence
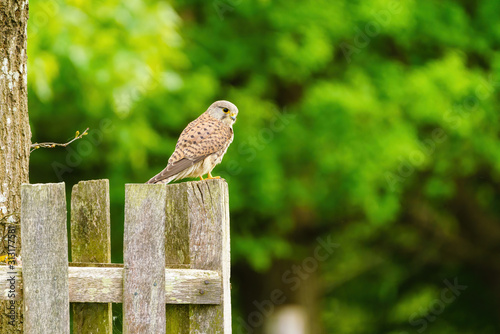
(175, 276)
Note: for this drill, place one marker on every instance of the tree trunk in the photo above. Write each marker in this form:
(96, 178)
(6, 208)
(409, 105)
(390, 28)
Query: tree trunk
(15, 137)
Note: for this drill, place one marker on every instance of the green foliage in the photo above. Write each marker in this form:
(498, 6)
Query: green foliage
(373, 122)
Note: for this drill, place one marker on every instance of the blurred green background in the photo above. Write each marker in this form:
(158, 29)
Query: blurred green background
(364, 173)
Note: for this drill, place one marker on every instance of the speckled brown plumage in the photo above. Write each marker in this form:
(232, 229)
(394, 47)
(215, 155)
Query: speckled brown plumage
(201, 145)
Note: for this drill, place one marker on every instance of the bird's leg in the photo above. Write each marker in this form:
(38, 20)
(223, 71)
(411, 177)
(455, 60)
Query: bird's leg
(209, 177)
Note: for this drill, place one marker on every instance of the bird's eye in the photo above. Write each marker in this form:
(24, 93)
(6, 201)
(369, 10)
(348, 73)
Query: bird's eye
(225, 110)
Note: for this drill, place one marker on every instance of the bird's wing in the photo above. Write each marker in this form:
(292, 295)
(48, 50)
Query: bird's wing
(201, 138)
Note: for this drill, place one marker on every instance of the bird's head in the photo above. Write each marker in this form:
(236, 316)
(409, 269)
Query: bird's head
(224, 111)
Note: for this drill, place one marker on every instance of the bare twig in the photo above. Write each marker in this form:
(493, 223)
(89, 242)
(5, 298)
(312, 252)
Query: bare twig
(78, 135)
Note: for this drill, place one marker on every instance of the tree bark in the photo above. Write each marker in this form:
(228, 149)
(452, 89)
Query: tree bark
(15, 135)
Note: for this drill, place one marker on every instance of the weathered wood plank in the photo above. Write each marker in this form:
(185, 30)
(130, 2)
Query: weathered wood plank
(45, 258)
(91, 242)
(93, 265)
(105, 285)
(210, 249)
(120, 265)
(203, 224)
(177, 251)
(90, 222)
(144, 259)
(177, 319)
(96, 285)
(177, 226)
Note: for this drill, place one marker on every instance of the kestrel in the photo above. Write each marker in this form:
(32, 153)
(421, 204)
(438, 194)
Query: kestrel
(201, 145)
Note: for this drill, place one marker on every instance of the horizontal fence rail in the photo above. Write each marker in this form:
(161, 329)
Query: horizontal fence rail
(175, 276)
(105, 285)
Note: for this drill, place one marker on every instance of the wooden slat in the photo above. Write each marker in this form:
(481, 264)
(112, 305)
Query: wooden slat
(45, 258)
(92, 264)
(91, 242)
(90, 222)
(105, 285)
(177, 251)
(120, 265)
(144, 259)
(96, 285)
(202, 223)
(210, 249)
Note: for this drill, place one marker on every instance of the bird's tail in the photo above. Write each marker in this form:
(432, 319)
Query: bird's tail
(157, 179)
(154, 180)
(174, 171)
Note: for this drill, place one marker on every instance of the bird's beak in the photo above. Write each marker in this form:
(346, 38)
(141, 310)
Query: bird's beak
(233, 117)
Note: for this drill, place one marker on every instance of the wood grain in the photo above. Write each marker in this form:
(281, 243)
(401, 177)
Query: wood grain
(144, 259)
(185, 225)
(105, 285)
(45, 258)
(177, 250)
(90, 222)
(198, 216)
(210, 249)
(91, 242)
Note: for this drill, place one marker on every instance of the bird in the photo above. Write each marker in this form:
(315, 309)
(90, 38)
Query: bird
(201, 145)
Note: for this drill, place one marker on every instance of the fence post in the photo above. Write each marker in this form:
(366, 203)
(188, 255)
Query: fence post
(45, 258)
(177, 250)
(91, 242)
(197, 233)
(144, 259)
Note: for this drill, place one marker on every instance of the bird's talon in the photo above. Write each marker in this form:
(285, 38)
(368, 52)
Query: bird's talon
(210, 177)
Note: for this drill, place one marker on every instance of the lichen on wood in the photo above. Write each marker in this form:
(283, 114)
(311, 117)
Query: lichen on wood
(198, 224)
(45, 258)
(144, 259)
(91, 242)
(105, 285)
